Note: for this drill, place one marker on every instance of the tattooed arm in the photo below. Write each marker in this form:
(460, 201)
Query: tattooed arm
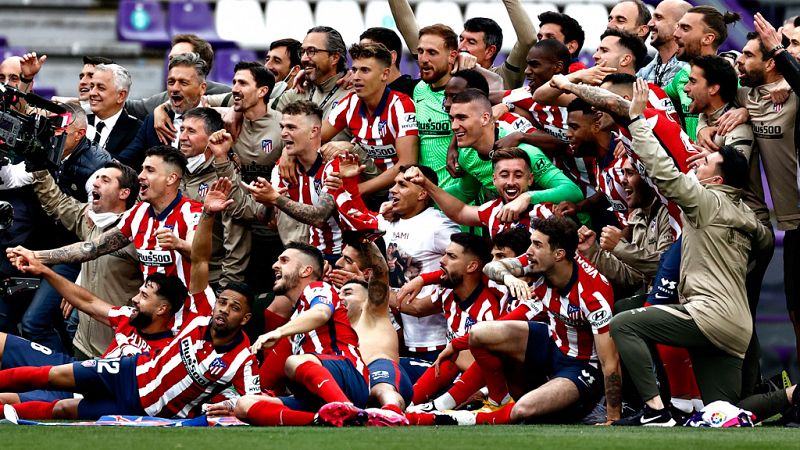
(379, 280)
(598, 97)
(314, 215)
(497, 270)
(609, 360)
(79, 252)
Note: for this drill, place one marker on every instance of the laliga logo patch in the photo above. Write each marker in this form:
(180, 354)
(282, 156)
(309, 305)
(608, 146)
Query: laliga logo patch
(89, 363)
(717, 418)
(266, 146)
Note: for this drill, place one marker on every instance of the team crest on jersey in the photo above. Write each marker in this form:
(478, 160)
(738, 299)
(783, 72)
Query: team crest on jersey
(317, 185)
(217, 366)
(382, 128)
(469, 323)
(202, 190)
(777, 107)
(574, 313)
(266, 145)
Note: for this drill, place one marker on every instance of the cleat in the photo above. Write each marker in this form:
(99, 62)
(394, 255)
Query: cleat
(426, 407)
(340, 414)
(10, 414)
(648, 417)
(492, 406)
(454, 417)
(377, 417)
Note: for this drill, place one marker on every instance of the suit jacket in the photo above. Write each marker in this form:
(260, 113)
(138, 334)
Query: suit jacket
(133, 154)
(122, 134)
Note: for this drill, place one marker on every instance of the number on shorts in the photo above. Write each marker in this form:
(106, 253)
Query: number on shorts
(41, 348)
(107, 366)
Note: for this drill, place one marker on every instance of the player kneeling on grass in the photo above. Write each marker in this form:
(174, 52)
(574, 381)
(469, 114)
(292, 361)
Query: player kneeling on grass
(210, 357)
(553, 371)
(326, 367)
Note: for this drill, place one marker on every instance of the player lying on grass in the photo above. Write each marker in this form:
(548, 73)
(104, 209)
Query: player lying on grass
(209, 360)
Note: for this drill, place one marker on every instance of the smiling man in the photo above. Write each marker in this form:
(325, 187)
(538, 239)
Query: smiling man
(382, 121)
(110, 127)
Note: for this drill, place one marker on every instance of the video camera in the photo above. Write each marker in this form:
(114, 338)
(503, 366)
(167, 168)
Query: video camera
(31, 136)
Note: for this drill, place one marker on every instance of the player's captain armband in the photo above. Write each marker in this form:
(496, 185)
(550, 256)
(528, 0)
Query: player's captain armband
(155, 258)
(600, 318)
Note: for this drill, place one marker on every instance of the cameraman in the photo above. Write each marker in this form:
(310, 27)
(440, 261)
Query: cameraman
(32, 226)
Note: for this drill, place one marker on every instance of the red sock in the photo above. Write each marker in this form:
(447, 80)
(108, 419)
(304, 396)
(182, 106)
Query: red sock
(679, 371)
(429, 384)
(272, 414)
(273, 321)
(469, 383)
(500, 417)
(320, 382)
(420, 418)
(35, 410)
(271, 373)
(393, 408)
(24, 379)
(492, 369)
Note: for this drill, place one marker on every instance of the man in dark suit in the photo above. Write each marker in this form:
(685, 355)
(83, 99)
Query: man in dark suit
(109, 126)
(186, 85)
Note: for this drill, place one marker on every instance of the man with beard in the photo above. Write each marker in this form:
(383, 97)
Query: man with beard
(631, 16)
(700, 32)
(140, 328)
(210, 351)
(663, 68)
(283, 60)
(763, 66)
(551, 371)
(326, 367)
(186, 84)
(115, 276)
(161, 226)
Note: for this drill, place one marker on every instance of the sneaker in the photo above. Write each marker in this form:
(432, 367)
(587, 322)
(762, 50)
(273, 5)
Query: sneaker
(426, 407)
(679, 415)
(377, 417)
(10, 414)
(648, 417)
(454, 417)
(340, 414)
(492, 406)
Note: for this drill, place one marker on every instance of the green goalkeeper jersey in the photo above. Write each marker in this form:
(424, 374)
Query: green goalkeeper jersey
(435, 133)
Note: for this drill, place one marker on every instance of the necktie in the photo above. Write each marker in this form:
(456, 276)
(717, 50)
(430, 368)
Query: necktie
(98, 129)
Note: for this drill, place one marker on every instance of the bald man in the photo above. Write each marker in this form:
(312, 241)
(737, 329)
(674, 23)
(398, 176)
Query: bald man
(665, 65)
(11, 71)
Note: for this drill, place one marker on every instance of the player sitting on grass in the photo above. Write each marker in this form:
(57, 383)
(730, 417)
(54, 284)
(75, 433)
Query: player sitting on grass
(209, 360)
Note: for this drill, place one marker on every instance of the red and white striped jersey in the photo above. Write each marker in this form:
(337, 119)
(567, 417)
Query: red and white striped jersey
(609, 182)
(678, 146)
(488, 212)
(551, 119)
(577, 312)
(579, 169)
(128, 340)
(482, 304)
(308, 190)
(140, 224)
(335, 337)
(395, 117)
(658, 99)
(514, 122)
(191, 371)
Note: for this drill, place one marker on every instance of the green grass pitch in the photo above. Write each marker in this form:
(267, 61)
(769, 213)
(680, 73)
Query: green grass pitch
(482, 437)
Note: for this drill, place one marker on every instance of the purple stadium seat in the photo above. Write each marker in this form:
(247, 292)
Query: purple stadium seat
(225, 60)
(5, 52)
(3, 41)
(142, 21)
(195, 17)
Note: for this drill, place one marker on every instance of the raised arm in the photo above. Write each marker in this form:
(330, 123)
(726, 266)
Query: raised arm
(406, 23)
(378, 284)
(75, 295)
(599, 98)
(452, 207)
(513, 72)
(111, 240)
(216, 201)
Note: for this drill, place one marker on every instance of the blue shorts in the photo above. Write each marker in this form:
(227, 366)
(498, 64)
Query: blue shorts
(544, 361)
(350, 380)
(20, 352)
(387, 371)
(413, 368)
(665, 284)
(109, 386)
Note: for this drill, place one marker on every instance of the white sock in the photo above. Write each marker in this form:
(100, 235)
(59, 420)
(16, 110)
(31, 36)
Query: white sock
(444, 402)
(698, 404)
(682, 404)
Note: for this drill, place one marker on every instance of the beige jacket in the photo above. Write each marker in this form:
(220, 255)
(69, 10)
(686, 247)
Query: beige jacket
(719, 232)
(634, 264)
(115, 277)
(231, 239)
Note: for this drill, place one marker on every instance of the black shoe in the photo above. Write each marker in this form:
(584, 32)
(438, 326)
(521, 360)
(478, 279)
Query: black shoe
(679, 416)
(648, 417)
